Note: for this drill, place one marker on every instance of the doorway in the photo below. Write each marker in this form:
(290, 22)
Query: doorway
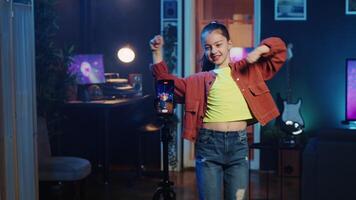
(242, 18)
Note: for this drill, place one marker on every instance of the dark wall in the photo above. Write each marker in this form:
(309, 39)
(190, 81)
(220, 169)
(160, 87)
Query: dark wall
(69, 23)
(105, 26)
(321, 45)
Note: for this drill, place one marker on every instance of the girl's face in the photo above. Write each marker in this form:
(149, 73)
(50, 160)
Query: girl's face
(217, 48)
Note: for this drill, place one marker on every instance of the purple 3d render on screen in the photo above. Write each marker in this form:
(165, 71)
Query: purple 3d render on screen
(88, 68)
(351, 90)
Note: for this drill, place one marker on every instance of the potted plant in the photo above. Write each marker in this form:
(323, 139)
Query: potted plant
(170, 45)
(52, 78)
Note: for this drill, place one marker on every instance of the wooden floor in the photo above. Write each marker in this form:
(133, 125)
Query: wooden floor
(127, 186)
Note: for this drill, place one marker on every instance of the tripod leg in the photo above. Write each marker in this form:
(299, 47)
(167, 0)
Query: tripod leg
(171, 195)
(157, 194)
(164, 193)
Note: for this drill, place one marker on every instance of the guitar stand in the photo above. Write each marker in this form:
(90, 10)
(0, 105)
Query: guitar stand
(165, 188)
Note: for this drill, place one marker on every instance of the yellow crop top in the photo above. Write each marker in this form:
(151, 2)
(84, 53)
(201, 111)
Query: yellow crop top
(225, 100)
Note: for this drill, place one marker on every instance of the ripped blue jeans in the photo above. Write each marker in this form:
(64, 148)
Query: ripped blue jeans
(221, 165)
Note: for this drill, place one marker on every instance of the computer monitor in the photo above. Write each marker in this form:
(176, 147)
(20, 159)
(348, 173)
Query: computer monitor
(351, 90)
(88, 69)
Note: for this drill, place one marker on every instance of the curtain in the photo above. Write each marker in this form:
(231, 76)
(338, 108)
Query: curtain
(24, 65)
(17, 102)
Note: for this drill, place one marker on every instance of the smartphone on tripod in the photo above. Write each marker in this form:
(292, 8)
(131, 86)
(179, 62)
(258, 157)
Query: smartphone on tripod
(164, 105)
(164, 101)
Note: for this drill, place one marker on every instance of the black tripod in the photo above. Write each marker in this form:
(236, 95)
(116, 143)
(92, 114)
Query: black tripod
(165, 190)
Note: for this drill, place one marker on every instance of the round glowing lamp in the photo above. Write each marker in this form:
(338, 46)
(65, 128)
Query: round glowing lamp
(126, 55)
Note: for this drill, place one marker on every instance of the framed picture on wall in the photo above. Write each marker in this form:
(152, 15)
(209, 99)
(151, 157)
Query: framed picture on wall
(290, 9)
(170, 9)
(350, 7)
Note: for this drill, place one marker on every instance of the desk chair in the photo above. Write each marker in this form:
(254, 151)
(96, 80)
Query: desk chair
(58, 169)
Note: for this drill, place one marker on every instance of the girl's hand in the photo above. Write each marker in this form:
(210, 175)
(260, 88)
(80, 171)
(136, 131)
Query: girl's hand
(257, 53)
(156, 43)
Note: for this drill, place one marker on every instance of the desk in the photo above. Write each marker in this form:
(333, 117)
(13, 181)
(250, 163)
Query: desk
(280, 148)
(106, 106)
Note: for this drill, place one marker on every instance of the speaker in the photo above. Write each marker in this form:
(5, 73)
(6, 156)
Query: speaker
(289, 162)
(170, 9)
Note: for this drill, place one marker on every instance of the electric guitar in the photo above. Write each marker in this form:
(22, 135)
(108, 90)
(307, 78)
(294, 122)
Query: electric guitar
(291, 116)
